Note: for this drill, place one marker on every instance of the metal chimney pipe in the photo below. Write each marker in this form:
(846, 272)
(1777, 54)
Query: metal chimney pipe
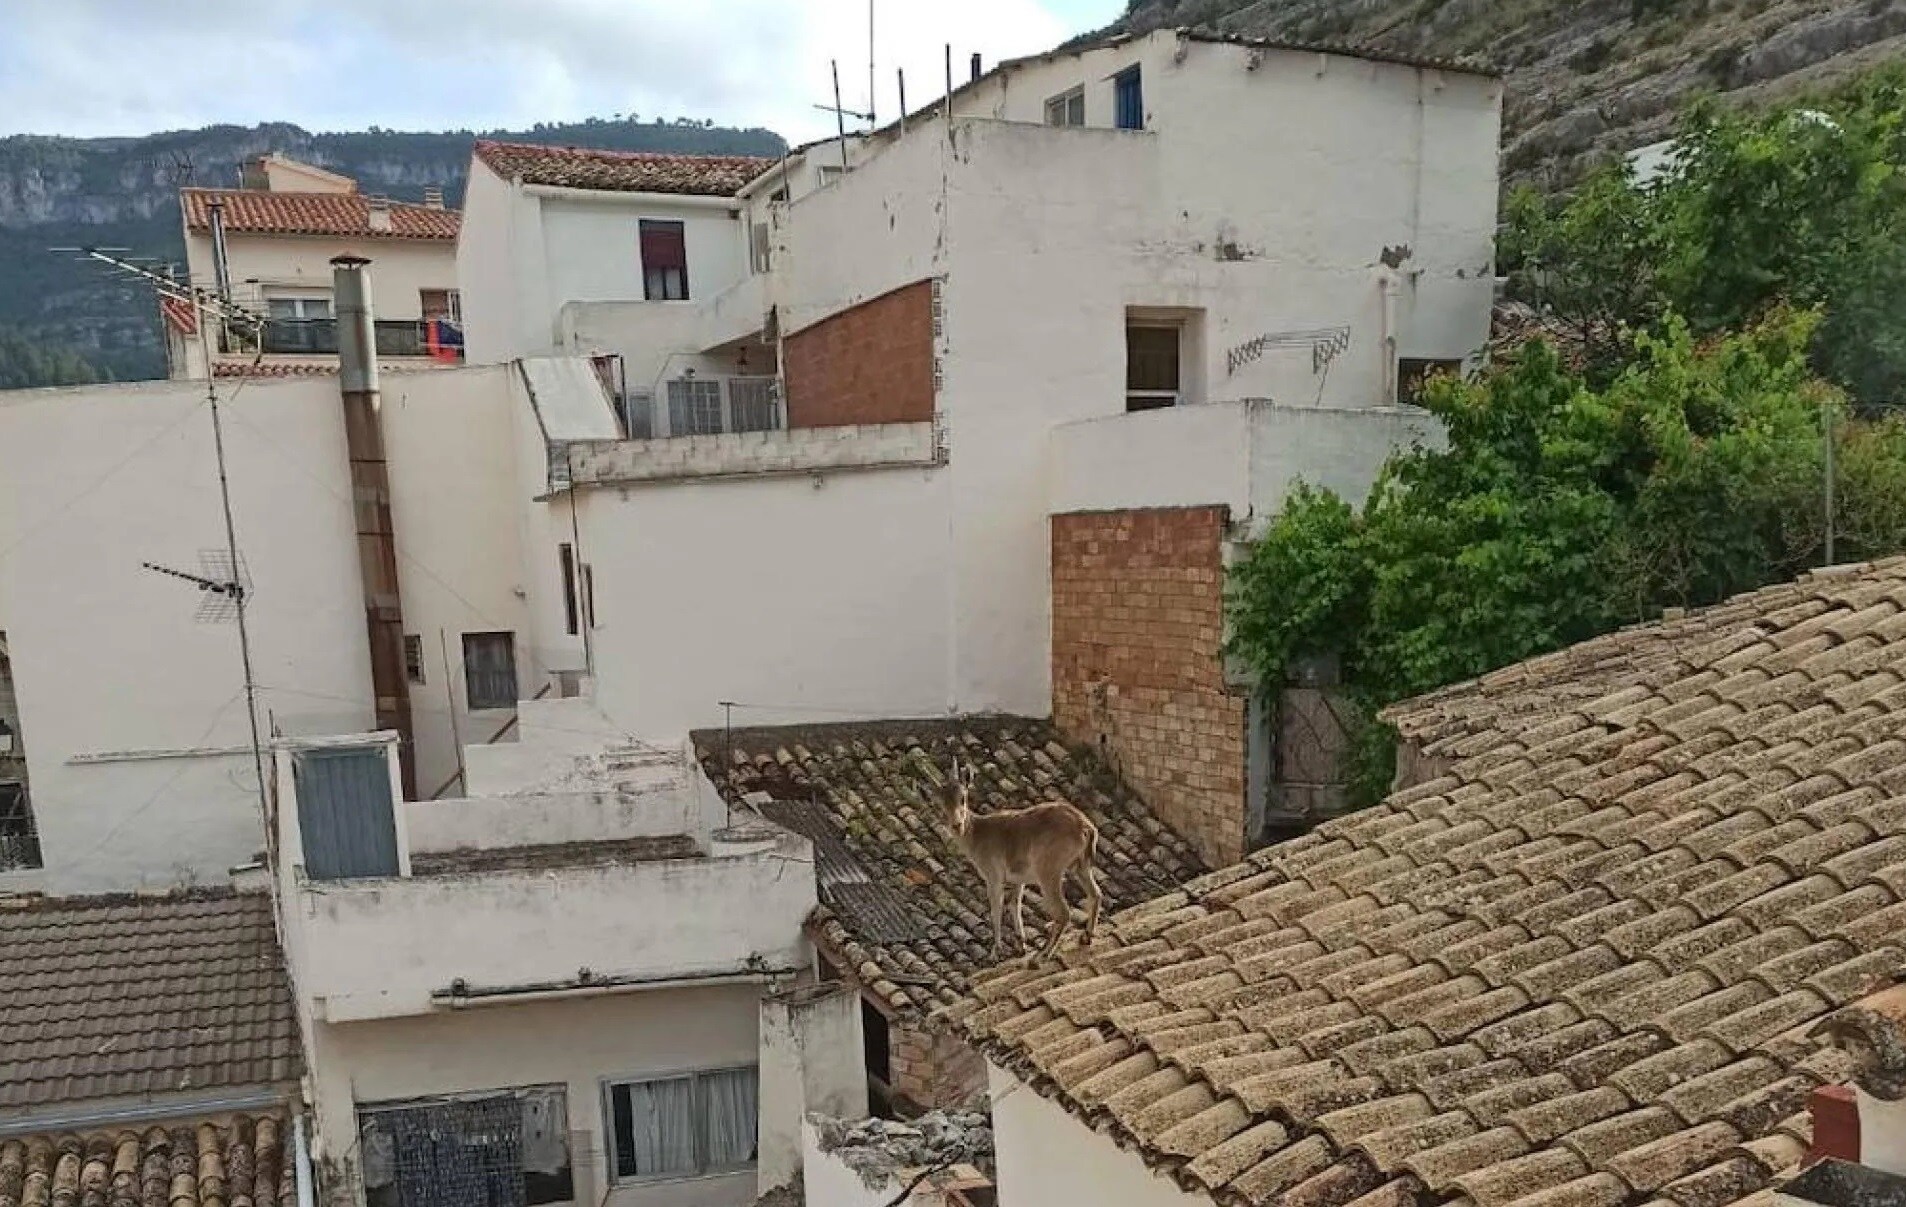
(370, 494)
(221, 270)
(976, 64)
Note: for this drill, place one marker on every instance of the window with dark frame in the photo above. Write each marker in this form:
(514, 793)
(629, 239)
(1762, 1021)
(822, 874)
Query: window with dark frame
(566, 555)
(589, 595)
(683, 1125)
(1067, 109)
(1151, 366)
(489, 670)
(505, 1147)
(664, 261)
(1128, 99)
(413, 658)
(446, 304)
(1414, 373)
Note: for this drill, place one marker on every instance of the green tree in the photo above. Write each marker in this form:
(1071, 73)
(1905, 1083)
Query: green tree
(25, 362)
(1559, 510)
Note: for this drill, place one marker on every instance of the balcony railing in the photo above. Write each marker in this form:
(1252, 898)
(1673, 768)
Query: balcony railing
(441, 339)
(705, 406)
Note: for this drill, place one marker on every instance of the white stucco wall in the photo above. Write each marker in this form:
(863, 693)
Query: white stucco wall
(802, 597)
(578, 1043)
(499, 264)
(112, 669)
(1046, 1156)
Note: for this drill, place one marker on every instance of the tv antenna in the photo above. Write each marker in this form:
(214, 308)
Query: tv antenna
(226, 585)
(841, 114)
(224, 577)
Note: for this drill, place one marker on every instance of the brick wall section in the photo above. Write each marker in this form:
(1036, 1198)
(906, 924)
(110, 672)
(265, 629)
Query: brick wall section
(871, 363)
(1137, 626)
(933, 1070)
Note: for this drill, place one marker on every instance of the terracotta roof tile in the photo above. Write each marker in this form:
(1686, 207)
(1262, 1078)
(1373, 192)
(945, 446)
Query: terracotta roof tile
(112, 996)
(621, 171)
(1579, 967)
(215, 1161)
(339, 215)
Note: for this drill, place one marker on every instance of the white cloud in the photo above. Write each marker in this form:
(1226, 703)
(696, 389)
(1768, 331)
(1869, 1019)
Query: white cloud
(132, 66)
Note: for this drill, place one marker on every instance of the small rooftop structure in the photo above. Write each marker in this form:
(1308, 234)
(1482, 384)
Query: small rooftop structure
(1580, 962)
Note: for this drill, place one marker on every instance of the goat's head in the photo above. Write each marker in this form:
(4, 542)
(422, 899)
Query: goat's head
(959, 797)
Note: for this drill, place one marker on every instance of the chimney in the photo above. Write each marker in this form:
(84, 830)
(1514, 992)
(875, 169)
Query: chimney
(976, 64)
(433, 196)
(379, 213)
(370, 488)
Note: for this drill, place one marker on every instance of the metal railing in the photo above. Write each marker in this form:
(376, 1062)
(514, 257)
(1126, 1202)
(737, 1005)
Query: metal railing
(438, 338)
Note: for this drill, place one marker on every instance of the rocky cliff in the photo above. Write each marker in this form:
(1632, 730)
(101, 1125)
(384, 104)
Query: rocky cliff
(123, 192)
(1586, 77)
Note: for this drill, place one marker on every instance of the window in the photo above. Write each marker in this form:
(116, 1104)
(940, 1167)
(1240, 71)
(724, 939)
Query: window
(1151, 367)
(299, 307)
(489, 670)
(830, 172)
(566, 555)
(441, 304)
(508, 1147)
(694, 406)
(589, 595)
(1067, 109)
(1128, 100)
(664, 262)
(1412, 374)
(760, 253)
(683, 1126)
(754, 404)
(413, 657)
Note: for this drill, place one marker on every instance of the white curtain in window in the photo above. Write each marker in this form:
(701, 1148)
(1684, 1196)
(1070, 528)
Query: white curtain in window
(662, 1127)
(729, 1103)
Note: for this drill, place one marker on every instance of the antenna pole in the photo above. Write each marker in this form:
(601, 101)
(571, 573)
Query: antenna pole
(1826, 424)
(840, 115)
(901, 78)
(238, 586)
(871, 124)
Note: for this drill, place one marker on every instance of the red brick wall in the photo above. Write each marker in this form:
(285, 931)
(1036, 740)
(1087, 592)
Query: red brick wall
(1137, 626)
(932, 1070)
(871, 363)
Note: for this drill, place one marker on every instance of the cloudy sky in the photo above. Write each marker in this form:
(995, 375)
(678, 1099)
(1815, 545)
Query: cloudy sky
(94, 67)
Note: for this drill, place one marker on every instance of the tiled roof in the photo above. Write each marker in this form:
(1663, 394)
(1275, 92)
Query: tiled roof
(109, 997)
(345, 215)
(899, 905)
(621, 171)
(312, 368)
(230, 1161)
(1577, 969)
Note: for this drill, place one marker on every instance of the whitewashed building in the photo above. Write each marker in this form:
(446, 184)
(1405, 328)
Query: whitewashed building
(267, 247)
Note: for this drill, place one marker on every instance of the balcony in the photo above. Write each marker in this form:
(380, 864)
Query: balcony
(441, 339)
(623, 875)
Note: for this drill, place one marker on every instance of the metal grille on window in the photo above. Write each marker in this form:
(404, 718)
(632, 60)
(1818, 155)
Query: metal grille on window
(19, 840)
(694, 407)
(499, 1150)
(754, 403)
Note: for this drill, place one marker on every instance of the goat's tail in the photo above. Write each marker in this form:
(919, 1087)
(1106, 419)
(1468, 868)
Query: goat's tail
(1093, 898)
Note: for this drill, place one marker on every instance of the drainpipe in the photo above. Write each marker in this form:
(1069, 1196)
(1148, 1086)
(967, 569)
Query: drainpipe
(370, 494)
(1388, 283)
(307, 1196)
(221, 269)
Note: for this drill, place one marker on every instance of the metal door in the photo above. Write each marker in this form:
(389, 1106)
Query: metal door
(345, 812)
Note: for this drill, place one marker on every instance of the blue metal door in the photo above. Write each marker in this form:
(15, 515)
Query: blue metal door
(345, 812)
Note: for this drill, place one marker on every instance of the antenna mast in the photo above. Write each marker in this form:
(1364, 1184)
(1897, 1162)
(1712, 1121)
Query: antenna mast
(206, 304)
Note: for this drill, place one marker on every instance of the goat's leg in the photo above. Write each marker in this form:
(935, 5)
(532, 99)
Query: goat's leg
(1019, 915)
(1052, 895)
(1093, 897)
(995, 901)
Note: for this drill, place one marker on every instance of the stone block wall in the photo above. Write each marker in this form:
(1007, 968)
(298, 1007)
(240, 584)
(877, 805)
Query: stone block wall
(1137, 668)
(870, 363)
